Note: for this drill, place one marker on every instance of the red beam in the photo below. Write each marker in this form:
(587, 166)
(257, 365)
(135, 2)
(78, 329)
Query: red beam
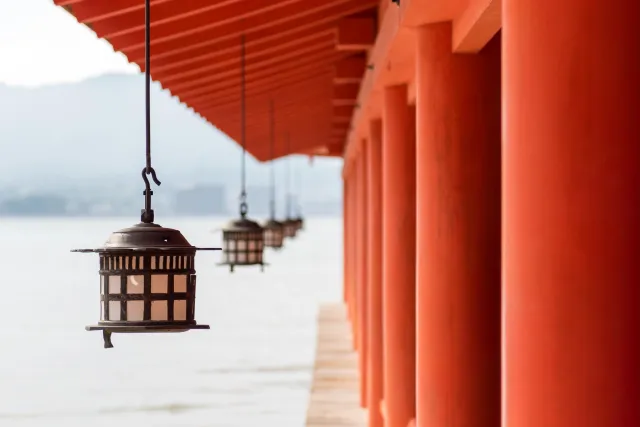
(234, 19)
(229, 50)
(272, 90)
(322, 58)
(93, 11)
(194, 49)
(271, 79)
(253, 60)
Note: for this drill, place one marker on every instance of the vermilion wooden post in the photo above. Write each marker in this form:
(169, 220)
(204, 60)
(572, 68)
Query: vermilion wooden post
(374, 265)
(362, 230)
(571, 213)
(399, 252)
(458, 231)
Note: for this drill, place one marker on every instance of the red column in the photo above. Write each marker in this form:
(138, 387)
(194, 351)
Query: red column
(349, 246)
(398, 264)
(362, 221)
(345, 242)
(354, 252)
(571, 213)
(374, 263)
(458, 232)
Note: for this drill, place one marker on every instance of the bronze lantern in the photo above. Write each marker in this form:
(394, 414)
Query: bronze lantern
(243, 239)
(290, 227)
(147, 282)
(243, 243)
(273, 229)
(273, 234)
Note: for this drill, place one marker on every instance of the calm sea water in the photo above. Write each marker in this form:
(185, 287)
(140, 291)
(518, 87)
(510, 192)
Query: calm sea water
(252, 368)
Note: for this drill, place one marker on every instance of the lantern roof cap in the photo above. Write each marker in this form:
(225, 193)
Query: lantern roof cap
(145, 237)
(272, 223)
(242, 224)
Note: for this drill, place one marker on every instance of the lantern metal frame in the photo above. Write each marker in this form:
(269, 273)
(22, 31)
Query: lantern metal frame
(243, 244)
(146, 251)
(134, 256)
(273, 229)
(290, 228)
(243, 238)
(273, 234)
(289, 224)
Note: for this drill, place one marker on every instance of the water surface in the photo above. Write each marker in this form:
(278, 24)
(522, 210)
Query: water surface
(252, 368)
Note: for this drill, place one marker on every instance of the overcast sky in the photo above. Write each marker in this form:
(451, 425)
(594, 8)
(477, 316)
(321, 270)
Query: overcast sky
(42, 44)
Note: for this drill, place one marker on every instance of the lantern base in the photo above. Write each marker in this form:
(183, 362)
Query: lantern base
(107, 330)
(129, 329)
(232, 266)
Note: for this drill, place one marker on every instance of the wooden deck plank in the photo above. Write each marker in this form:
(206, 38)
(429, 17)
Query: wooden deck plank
(335, 391)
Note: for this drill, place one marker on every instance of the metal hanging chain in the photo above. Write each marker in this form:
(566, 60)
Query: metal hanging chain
(288, 177)
(147, 213)
(297, 182)
(243, 194)
(273, 178)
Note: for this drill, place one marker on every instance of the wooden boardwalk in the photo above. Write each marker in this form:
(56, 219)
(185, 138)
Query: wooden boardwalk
(335, 390)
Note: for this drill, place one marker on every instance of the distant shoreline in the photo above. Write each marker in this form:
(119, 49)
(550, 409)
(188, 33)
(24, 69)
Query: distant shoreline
(213, 216)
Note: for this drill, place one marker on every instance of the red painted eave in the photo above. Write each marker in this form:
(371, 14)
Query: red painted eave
(302, 54)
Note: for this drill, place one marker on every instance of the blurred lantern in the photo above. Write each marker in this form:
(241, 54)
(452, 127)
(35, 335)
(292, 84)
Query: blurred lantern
(147, 272)
(243, 239)
(290, 225)
(273, 229)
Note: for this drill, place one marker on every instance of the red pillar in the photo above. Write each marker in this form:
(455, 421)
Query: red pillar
(353, 226)
(571, 213)
(398, 271)
(458, 232)
(362, 221)
(345, 242)
(374, 263)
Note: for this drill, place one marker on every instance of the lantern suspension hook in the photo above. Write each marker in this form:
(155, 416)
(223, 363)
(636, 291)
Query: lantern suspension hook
(147, 213)
(272, 203)
(244, 208)
(288, 195)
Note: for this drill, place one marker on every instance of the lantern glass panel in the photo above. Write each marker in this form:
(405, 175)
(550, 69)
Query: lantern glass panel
(180, 283)
(159, 310)
(114, 310)
(115, 284)
(135, 284)
(180, 310)
(159, 283)
(135, 311)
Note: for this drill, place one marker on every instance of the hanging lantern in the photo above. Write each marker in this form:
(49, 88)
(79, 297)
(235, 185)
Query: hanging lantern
(147, 281)
(289, 224)
(290, 228)
(273, 234)
(243, 244)
(243, 239)
(273, 229)
(147, 272)
(298, 220)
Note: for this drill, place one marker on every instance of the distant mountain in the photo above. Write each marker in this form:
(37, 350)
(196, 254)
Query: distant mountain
(89, 136)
